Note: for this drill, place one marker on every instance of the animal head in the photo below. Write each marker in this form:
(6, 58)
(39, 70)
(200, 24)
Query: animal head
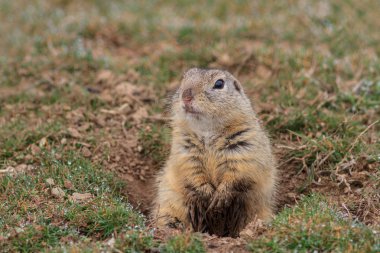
(210, 97)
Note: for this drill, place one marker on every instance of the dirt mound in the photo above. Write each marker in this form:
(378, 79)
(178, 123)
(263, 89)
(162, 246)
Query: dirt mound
(111, 136)
(116, 127)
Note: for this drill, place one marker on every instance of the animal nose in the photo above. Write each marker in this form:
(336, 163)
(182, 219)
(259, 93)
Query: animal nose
(187, 95)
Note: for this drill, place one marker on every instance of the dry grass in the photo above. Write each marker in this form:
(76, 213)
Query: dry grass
(88, 78)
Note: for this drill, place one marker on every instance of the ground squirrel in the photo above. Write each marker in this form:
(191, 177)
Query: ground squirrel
(221, 173)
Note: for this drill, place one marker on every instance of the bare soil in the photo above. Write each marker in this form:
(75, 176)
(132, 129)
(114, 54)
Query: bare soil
(119, 148)
(125, 156)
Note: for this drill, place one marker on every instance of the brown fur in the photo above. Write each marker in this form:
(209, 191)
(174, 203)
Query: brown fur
(221, 173)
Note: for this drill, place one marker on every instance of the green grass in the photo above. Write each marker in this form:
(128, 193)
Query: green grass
(34, 219)
(311, 68)
(16, 136)
(313, 225)
(154, 139)
(183, 243)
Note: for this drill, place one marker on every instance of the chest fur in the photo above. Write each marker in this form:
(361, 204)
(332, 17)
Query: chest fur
(206, 155)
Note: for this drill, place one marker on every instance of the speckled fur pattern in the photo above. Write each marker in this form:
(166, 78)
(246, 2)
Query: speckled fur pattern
(221, 173)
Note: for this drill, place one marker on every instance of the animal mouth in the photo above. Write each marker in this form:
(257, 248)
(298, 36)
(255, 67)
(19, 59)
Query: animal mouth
(190, 109)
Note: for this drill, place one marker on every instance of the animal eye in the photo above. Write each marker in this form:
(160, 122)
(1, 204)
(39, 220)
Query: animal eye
(219, 84)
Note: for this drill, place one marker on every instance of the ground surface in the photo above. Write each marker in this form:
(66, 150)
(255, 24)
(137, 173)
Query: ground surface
(82, 88)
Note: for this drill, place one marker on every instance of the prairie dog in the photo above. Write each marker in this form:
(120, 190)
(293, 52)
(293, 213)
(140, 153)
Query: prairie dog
(221, 173)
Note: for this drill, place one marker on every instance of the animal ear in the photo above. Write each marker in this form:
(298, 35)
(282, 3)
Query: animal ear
(237, 85)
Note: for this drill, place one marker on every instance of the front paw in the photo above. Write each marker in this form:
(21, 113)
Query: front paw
(220, 200)
(175, 223)
(226, 214)
(197, 203)
(205, 191)
(202, 193)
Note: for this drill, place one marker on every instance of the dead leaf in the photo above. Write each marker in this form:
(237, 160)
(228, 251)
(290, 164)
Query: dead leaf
(76, 115)
(57, 192)
(104, 76)
(140, 114)
(35, 149)
(85, 144)
(106, 96)
(129, 178)
(263, 72)
(86, 152)
(21, 168)
(74, 132)
(100, 120)
(247, 233)
(291, 195)
(84, 127)
(9, 169)
(50, 181)
(126, 88)
(39, 227)
(225, 59)
(78, 197)
(68, 185)
(252, 229)
(28, 157)
(42, 142)
(66, 107)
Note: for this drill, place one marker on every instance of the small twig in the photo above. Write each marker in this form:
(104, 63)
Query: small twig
(360, 135)
(353, 145)
(292, 148)
(7, 170)
(112, 112)
(244, 61)
(343, 180)
(157, 118)
(325, 158)
(285, 162)
(348, 211)
(83, 144)
(138, 102)
(116, 111)
(123, 126)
